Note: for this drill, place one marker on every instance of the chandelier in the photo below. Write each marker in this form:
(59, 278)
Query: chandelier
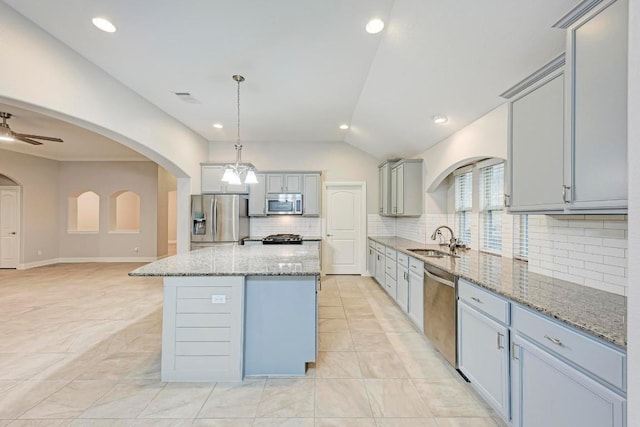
(235, 173)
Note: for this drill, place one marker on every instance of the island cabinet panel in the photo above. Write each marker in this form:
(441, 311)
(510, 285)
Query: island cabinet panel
(280, 325)
(202, 328)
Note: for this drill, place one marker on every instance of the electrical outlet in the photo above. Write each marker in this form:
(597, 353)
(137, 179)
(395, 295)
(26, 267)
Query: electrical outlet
(136, 249)
(39, 251)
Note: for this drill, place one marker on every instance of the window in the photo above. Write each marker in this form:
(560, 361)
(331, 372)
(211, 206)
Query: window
(491, 203)
(83, 214)
(521, 237)
(463, 205)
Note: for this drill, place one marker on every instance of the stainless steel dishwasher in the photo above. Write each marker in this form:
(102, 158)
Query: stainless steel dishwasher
(440, 311)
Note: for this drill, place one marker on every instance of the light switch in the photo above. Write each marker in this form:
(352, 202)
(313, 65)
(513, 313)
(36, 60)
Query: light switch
(218, 299)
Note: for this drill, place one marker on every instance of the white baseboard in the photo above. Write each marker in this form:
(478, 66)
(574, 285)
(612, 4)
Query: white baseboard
(52, 261)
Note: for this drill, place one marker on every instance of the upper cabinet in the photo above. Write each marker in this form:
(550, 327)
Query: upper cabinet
(536, 142)
(568, 123)
(211, 180)
(311, 194)
(597, 132)
(284, 183)
(257, 196)
(400, 187)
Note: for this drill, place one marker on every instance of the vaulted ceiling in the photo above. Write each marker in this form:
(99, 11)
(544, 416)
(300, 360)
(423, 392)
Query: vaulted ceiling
(310, 66)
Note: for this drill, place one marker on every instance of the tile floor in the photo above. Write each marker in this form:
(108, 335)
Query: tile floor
(80, 346)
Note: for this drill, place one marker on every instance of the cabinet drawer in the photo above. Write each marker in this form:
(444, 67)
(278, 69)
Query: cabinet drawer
(485, 301)
(380, 247)
(416, 266)
(591, 355)
(390, 253)
(372, 244)
(391, 267)
(403, 259)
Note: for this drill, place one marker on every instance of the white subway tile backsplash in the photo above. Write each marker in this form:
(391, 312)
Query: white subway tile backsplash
(305, 226)
(593, 247)
(586, 249)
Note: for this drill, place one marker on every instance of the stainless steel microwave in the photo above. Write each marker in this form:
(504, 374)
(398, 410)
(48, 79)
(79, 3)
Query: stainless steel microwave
(284, 204)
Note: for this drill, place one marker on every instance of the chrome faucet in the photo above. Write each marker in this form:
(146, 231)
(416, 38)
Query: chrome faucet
(453, 242)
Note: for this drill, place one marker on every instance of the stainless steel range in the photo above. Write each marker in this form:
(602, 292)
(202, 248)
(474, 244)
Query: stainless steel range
(282, 239)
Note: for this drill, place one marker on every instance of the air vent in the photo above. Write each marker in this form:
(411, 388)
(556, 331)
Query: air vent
(187, 97)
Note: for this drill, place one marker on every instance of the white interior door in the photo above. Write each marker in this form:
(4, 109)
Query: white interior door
(9, 228)
(344, 242)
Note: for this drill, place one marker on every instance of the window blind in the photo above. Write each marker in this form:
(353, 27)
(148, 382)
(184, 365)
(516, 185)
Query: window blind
(521, 237)
(463, 206)
(491, 203)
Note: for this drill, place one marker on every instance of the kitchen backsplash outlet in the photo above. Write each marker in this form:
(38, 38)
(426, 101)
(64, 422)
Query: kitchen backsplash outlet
(305, 226)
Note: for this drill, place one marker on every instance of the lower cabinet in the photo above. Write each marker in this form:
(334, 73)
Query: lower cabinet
(402, 288)
(380, 268)
(483, 356)
(415, 305)
(549, 392)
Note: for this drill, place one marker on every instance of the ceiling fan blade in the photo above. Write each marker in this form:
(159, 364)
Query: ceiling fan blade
(46, 138)
(27, 140)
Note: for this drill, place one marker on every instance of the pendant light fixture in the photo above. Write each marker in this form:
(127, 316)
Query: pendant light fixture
(234, 173)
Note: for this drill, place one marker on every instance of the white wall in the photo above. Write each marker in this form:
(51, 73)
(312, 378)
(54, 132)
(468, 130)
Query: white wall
(105, 179)
(337, 161)
(633, 293)
(166, 210)
(38, 179)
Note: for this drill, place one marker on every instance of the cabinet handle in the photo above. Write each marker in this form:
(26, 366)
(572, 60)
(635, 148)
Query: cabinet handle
(556, 341)
(506, 200)
(514, 351)
(564, 193)
(499, 339)
(476, 300)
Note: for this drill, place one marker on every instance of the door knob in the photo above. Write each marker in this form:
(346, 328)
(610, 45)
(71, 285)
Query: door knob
(13, 232)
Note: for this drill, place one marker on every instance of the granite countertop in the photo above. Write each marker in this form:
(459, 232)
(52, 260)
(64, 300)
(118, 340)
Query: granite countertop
(304, 238)
(599, 313)
(238, 260)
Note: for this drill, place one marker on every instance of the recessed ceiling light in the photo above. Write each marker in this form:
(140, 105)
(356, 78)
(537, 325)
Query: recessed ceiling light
(374, 26)
(104, 24)
(344, 127)
(217, 125)
(437, 119)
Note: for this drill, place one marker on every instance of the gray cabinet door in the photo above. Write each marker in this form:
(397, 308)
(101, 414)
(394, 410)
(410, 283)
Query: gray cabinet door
(536, 148)
(598, 131)
(257, 199)
(402, 288)
(548, 392)
(384, 175)
(311, 194)
(483, 356)
(211, 179)
(415, 305)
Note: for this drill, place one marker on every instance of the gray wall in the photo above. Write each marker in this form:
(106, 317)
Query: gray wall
(38, 179)
(106, 178)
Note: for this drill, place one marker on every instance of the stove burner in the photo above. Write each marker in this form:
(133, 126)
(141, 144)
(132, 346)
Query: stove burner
(282, 239)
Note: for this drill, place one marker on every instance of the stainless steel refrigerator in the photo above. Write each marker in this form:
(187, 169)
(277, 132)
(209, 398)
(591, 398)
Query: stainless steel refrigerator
(219, 218)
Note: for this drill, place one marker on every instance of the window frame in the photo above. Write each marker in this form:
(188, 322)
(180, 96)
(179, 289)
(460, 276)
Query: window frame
(491, 205)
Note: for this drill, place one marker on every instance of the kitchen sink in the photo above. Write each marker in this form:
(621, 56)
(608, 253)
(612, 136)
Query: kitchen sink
(432, 253)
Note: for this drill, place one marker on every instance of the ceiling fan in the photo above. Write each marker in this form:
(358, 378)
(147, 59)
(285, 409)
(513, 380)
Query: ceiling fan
(6, 134)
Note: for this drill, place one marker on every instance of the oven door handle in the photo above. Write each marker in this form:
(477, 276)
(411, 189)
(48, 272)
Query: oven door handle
(439, 279)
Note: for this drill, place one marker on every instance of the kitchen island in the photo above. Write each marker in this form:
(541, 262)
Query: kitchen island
(233, 311)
